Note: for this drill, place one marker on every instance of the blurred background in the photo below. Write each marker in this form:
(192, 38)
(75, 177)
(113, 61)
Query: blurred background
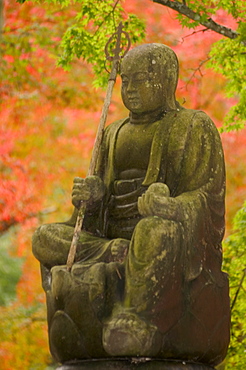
(48, 121)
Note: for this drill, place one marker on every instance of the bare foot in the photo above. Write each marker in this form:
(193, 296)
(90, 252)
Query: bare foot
(128, 335)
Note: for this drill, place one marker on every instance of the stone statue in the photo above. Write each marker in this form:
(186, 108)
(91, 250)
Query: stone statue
(147, 278)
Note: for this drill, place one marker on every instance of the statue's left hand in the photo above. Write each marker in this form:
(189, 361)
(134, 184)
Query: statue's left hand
(156, 201)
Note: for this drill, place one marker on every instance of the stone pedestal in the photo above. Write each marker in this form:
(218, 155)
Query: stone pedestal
(133, 364)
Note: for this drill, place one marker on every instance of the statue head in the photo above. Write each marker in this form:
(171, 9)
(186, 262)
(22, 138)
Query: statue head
(149, 75)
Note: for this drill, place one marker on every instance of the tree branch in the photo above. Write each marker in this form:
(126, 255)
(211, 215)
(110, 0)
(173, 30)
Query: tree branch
(239, 287)
(189, 13)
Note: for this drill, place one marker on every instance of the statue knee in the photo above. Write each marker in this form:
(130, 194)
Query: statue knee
(41, 246)
(154, 228)
(37, 246)
(50, 245)
(153, 235)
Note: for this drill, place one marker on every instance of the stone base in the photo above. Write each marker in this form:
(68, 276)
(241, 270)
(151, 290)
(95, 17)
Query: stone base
(133, 364)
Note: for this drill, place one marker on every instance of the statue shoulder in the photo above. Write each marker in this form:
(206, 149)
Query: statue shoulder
(195, 119)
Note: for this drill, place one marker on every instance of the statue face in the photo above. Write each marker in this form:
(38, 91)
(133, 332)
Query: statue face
(142, 89)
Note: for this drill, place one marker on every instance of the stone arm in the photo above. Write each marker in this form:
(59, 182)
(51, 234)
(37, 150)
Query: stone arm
(199, 175)
(201, 191)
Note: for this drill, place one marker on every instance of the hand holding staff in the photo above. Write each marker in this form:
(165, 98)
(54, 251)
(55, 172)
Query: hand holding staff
(99, 136)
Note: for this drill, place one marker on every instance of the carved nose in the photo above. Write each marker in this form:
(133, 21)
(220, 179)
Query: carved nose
(131, 86)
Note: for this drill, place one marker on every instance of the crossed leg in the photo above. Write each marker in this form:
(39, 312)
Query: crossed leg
(153, 290)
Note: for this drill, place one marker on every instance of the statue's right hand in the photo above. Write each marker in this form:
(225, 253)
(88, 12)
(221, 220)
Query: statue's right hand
(88, 190)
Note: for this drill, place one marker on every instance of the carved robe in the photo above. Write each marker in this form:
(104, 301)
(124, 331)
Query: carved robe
(186, 155)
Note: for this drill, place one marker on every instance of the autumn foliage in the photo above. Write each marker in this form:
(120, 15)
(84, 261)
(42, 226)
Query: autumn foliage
(48, 123)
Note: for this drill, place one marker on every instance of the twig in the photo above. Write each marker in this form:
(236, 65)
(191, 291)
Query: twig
(197, 69)
(193, 33)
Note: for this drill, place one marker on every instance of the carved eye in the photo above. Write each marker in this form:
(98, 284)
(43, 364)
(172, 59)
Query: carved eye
(124, 79)
(141, 77)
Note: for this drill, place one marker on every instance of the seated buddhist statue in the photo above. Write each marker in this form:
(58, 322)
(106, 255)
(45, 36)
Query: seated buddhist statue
(147, 277)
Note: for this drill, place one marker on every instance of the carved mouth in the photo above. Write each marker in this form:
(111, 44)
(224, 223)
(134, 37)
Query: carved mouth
(133, 100)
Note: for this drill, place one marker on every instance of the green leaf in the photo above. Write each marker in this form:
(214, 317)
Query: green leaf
(235, 265)
(10, 270)
(87, 37)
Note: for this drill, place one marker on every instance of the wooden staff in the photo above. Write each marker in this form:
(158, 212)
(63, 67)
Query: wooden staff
(99, 136)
